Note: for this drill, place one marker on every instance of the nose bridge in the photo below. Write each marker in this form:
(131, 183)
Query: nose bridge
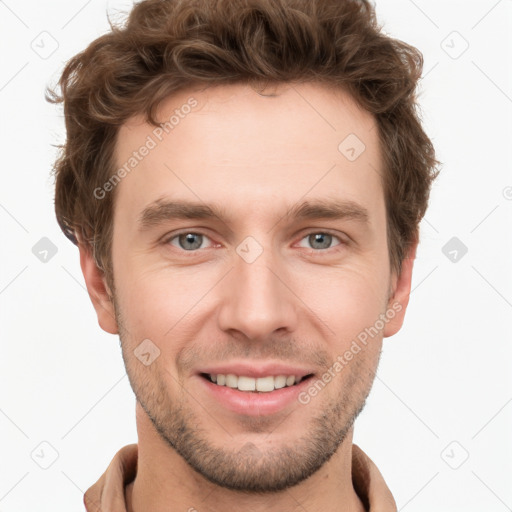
(256, 301)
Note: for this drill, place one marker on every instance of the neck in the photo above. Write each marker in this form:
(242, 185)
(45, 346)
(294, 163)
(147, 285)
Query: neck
(165, 482)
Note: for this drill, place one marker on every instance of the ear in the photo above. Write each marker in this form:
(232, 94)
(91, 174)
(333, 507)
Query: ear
(98, 289)
(400, 291)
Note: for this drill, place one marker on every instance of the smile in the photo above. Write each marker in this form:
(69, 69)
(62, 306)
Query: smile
(251, 384)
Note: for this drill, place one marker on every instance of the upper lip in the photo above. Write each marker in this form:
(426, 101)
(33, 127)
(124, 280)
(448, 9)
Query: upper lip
(255, 369)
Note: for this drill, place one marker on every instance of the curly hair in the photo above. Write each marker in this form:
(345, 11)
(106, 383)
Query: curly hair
(165, 46)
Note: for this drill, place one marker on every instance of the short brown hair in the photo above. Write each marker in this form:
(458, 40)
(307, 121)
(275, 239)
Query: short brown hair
(168, 45)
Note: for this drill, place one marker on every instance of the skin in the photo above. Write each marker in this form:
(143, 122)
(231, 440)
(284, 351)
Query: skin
(256, 157)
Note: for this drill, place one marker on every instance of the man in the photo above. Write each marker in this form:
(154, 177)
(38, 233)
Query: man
(244, 180)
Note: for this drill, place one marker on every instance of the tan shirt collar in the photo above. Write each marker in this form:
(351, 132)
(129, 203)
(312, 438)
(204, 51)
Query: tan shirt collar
(108, 493)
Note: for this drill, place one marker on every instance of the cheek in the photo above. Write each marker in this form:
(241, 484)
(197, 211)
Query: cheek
(144, 303)
(161, 305)
(347, 300)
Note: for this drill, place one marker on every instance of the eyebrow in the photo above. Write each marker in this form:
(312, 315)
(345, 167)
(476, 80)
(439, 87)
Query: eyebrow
(329, 209)
(162, 211)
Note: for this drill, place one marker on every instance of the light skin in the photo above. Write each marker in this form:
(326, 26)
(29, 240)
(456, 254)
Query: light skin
(253, 160)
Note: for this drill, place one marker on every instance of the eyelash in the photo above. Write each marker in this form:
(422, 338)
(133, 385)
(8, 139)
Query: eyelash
(329, 250)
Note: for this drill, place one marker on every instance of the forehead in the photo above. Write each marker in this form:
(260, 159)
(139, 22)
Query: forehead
(231, 145)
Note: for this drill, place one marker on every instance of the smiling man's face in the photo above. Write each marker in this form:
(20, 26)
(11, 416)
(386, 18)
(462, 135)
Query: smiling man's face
(246, 244)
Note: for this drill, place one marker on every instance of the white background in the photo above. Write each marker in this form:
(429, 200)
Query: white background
(444, 390)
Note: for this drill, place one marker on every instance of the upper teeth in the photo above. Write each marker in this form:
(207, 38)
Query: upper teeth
(264, 384)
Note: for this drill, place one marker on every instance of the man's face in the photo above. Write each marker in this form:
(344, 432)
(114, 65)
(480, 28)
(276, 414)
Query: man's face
(265, 287)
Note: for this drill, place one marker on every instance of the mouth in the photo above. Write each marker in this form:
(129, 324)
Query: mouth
(254, 388)
(248, 384)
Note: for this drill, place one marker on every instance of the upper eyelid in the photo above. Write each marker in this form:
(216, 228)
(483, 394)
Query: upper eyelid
(324, 232)
(170, 236)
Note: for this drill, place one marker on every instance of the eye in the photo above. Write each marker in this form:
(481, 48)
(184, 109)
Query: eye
(319, 241)
(188, 241)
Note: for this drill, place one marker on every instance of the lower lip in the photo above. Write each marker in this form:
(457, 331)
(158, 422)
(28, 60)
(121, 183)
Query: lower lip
(250, 403)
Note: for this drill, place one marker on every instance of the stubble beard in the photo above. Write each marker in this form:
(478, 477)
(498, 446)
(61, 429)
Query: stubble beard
(250, 468)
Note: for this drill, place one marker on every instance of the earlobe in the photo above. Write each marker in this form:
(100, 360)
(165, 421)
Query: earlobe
(399, 299)
(98, 290)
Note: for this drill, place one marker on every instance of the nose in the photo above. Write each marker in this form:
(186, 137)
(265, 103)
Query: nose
(257, 299)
